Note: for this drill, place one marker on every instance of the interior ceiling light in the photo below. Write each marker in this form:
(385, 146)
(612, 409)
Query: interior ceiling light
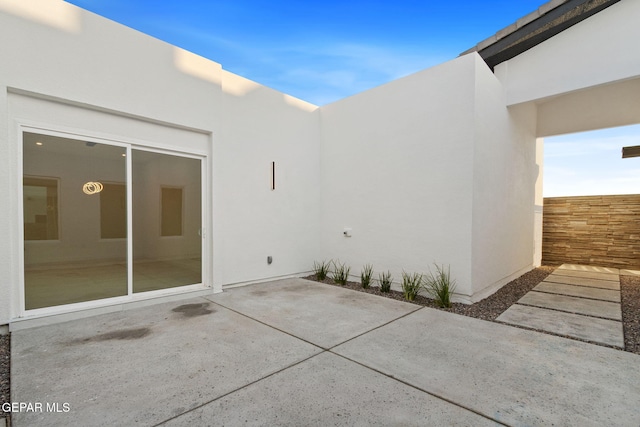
(38, 143)
(92, 188)
(631, 151)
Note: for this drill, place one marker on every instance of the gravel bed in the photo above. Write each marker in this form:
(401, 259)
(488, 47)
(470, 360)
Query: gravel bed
(630, 294)
(493, 306)
(487, 309)
(5, 360)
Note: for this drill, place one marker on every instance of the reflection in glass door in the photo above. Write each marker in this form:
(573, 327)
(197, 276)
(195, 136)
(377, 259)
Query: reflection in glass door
(76, 215)
(75, 236)
(167, 218)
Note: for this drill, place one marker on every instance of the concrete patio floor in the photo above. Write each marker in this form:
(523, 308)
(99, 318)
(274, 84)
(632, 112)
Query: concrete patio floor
(295, 352)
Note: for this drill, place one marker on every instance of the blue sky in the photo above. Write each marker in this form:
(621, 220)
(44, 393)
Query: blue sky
(591, 164)
(324, 51)
(318, 51)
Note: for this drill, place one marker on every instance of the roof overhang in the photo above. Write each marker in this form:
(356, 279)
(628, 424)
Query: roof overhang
(631, 151)
(550, 19)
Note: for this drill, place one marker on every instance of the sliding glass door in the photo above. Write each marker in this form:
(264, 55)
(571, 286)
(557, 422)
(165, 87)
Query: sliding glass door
(84, 240)
(167, 247)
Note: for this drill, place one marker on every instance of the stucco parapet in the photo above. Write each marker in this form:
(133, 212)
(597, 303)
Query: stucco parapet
(527, 19)
(506, 31)
(545, 8)
(486, 42)
(468, 51)
(549, 6)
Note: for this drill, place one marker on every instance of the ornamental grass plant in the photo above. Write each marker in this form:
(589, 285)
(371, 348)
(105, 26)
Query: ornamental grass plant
(411, 285)
(385, 281)
(321, 269)
(365, 276)
(340, 273)
(440, 286)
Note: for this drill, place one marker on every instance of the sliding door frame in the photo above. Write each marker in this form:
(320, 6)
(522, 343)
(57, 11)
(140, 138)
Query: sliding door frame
(129, 144)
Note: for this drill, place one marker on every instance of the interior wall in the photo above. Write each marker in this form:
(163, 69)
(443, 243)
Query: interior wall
(149, 176)
(78, 213)
(397, 165)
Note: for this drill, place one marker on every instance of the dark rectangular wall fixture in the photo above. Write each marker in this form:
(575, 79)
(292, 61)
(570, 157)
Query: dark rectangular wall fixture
(273, 175)
(631, 151)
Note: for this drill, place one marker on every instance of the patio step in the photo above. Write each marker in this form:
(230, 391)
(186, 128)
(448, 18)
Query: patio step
(586, 307)
(581, 302)
(579, 281)
(579, 291)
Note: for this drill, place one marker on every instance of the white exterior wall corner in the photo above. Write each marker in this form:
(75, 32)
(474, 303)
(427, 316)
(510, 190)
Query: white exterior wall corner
(504, 177)
(539, 201)
(598, 50)
(397, 165)
(262, 126)
(106, 78)
(8, 274)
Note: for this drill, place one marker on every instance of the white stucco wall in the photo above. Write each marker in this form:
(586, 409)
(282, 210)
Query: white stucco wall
(69, 70)
(106, 80)
(8, 257)
(263, 126)
(432, 168)
(599, 50)
(539, 201)
(442, 166)
(585, 78)
(504, 175)
(604, 106)
(397, 166)
(66, 52)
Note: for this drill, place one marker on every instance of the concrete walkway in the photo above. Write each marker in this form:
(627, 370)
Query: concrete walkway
(576, 300)
(300, 353)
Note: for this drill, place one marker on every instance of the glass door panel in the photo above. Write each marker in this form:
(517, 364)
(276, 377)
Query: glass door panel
(75, 237)
(167, 216)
